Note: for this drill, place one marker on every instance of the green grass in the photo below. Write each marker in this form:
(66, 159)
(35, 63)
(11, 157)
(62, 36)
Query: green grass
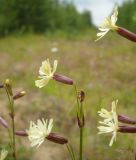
(104, 70)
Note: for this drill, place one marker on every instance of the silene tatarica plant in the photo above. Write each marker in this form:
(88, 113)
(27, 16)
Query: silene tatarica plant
(111, 122)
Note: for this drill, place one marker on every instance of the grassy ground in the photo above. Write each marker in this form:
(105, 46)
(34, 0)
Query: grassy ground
(104, 70)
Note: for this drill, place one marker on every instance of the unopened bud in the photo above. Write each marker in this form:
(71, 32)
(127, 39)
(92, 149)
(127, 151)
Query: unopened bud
(81, 96)
(1, 86)
(63, 79)
(21, 133)
(125, 119)
(127, 129)
(3, 122)
(19, 95)
(57, 138)
(80, 122)
(8, 87)
(127, 34)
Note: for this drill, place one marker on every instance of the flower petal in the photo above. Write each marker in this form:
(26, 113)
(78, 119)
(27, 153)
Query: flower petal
(42, 82)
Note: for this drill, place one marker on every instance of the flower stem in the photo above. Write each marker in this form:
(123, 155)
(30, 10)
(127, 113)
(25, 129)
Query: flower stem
(13, 131)
(13, 140)
(71, 152)
(81, 144)
(78, 105)
(80, 114)
(81, 133)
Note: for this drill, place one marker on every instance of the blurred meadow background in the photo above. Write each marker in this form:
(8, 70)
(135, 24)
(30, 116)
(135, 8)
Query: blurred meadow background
(32, 31)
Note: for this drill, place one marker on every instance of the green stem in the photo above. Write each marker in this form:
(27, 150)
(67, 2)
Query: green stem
(81, 132)
(81, 144)
(80, 114)
(78, 105)
(13, 131)
(71, 152)
(13, 140)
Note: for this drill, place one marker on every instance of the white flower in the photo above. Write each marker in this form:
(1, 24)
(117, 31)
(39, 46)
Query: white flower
(106, 114)
(110, 122)
(46, 73)
(38, 132)
(3, 154)
(108, 24)
(54, 49)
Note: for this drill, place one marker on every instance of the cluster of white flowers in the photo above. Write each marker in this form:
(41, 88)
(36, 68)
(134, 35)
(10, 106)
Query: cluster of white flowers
(110, 122)
(108, 24)
(46, 73)
(38, 132)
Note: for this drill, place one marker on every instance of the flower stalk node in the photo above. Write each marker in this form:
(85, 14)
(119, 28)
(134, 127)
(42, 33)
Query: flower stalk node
(81, 121)
(11, 115)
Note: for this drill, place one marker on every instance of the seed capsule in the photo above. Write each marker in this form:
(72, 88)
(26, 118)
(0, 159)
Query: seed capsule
(127, 34)
(125, 119)
(63, 79)
(127, 129)
(57, 138)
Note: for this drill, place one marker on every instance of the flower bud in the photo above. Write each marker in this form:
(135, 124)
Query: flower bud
(81, 122)
(19, 95)
(127, 129)
(57, 138)
(125, 119)
(21, 133)
(1, 86)
(127, 34)
(63, 79)
(8, 87)
(3, 122)
(81, 96)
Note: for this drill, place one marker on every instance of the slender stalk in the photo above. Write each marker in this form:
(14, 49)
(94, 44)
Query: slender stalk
(81, 134)
(81, 115)
(13, 131)
(71, 152)
(10, 137)
(78, 105)
(81, 144)
(13, 140)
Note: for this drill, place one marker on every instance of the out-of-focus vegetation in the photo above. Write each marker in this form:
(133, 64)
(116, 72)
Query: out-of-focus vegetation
(41, 16)
(127, 15)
